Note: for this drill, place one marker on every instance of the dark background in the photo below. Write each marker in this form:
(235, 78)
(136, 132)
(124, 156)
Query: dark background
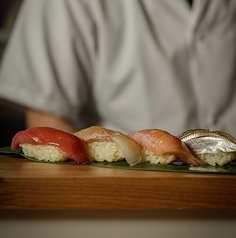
(11, 116)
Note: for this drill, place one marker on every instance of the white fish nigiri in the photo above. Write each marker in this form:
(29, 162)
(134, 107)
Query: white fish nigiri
(109, 145)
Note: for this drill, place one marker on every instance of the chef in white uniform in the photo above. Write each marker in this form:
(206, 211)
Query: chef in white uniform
(125, 65)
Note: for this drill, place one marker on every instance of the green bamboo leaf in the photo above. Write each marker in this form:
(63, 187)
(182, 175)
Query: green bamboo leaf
(227, 169)
(176, 167)
(7, 150)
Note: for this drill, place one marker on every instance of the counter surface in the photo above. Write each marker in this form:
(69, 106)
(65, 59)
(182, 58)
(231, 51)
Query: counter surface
(30, 185)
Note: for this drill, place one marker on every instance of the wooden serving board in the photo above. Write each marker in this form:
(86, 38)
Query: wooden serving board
(29, 185)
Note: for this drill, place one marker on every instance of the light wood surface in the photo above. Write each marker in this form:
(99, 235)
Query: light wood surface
(34, 186)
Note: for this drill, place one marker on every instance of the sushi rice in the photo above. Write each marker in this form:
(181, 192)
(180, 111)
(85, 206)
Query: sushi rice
(105, 151)
(219, 158)
(149, 156)
(44, 152)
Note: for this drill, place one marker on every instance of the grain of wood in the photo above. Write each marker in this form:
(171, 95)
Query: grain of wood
(27, 185)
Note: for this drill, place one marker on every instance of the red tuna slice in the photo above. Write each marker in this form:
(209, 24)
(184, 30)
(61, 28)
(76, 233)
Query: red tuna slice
(67, 143)
(161, 142)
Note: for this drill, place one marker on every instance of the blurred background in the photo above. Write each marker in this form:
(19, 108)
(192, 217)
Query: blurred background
(11, 116)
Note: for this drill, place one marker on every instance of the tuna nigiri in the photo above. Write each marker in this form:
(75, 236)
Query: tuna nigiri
(109, 145)
(50, 144)
(160, 147)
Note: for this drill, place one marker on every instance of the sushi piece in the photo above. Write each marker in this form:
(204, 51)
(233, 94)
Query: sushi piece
(49, 144)
(213, 147)
(108, 145)
(160, 147)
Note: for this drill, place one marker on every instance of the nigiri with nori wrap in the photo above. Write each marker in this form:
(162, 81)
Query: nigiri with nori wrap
(50, 144)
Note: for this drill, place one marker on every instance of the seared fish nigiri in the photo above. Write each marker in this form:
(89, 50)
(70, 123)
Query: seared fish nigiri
(108, 145)
(160, 147)
(213, 147)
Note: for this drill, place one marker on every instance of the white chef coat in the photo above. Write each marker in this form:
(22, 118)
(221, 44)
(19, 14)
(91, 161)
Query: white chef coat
(126, 64)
